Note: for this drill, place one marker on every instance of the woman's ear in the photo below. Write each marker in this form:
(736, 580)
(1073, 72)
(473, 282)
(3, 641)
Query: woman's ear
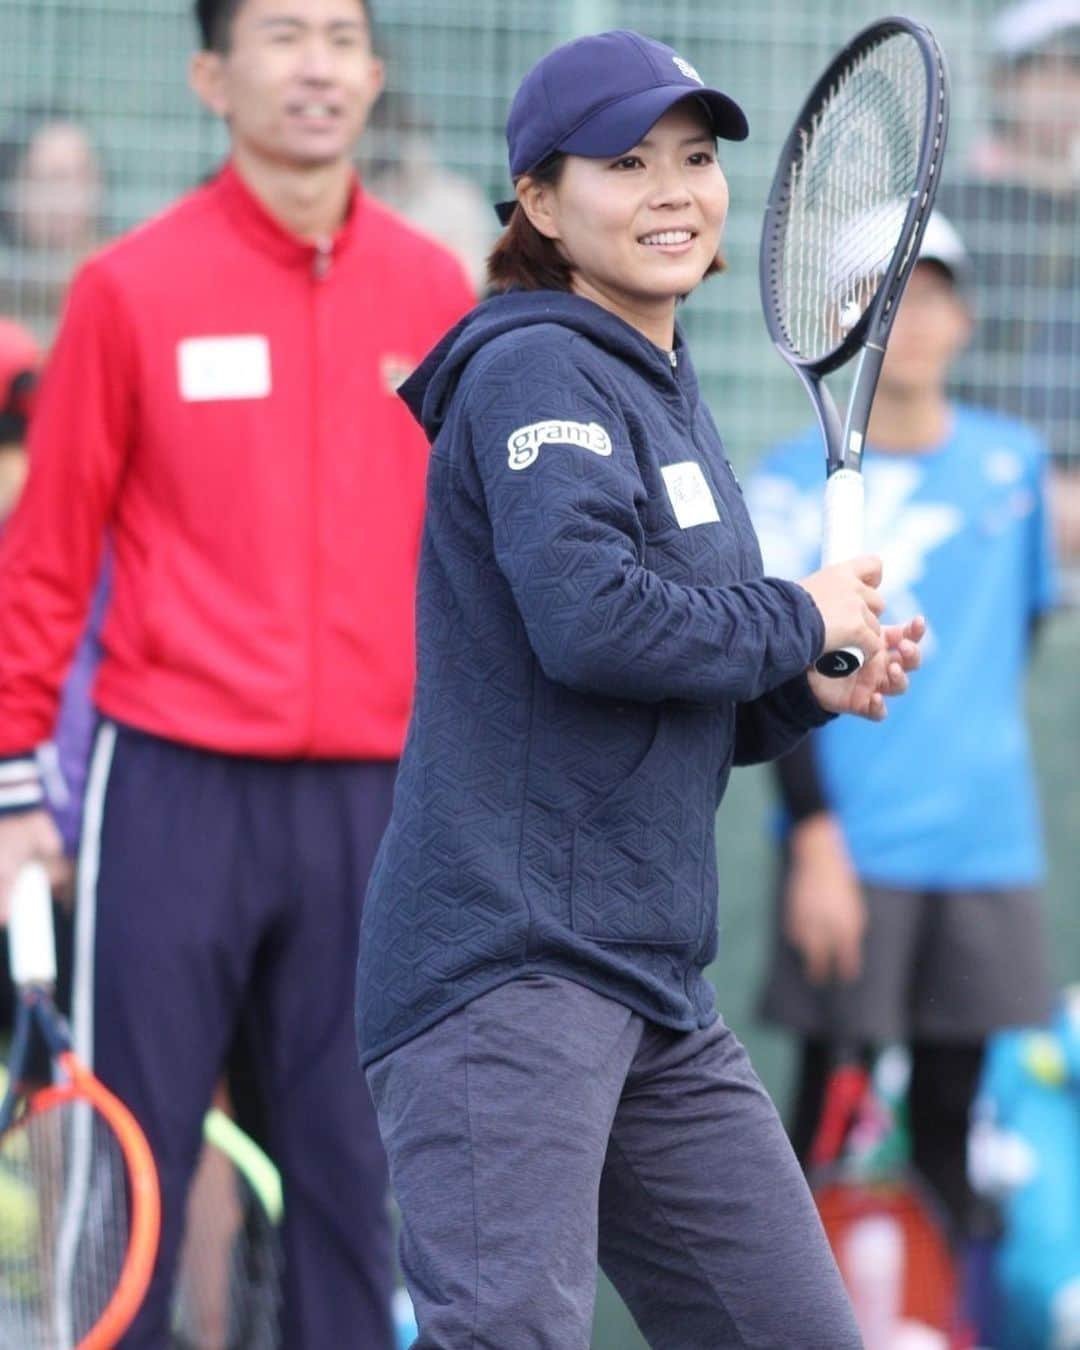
(537, 200)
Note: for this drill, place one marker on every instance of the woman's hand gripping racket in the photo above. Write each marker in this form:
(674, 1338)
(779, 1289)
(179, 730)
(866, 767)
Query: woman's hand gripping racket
(79, 1198)
(849, 203)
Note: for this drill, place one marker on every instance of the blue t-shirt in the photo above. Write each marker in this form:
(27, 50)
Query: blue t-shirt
(941, 795)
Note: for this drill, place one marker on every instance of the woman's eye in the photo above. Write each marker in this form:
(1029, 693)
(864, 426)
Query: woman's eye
(701, 157)
(628, 162)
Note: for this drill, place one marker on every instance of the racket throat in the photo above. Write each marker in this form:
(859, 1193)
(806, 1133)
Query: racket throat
(853, 437)
(826, 412)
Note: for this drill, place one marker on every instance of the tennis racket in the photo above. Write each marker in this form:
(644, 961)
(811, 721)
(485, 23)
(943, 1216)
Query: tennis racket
(884, 1226)
(847, 1091)
(228, 1286)
(848, 206)
(79, 1197)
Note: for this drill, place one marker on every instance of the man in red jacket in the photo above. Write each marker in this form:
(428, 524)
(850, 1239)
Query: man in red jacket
(221, 402)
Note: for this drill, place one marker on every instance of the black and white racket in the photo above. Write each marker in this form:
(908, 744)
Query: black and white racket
(851, 197)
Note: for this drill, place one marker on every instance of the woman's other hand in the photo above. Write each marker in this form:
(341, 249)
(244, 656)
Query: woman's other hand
(883, 675)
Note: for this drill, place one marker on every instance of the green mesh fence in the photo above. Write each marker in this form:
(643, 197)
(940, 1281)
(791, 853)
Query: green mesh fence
(118, 68)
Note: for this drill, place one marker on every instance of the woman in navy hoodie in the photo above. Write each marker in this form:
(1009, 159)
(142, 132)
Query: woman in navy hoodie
(597, 648)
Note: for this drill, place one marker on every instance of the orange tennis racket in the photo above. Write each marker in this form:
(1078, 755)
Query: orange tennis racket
(80, 1207)
(884, 1226)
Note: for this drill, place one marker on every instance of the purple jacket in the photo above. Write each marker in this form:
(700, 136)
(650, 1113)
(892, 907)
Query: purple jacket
(75, 726)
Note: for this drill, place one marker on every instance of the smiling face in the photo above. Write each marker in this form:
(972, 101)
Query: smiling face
(296, 82)
(642, 229)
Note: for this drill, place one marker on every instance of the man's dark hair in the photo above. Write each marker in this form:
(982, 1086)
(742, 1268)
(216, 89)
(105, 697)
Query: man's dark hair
(215, 20)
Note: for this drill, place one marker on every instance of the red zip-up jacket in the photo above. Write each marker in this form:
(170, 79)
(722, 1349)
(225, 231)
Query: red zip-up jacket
(221, 404)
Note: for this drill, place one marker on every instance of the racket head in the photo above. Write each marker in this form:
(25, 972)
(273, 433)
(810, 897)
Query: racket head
(80, 1212)
(846, 1201)
(853, 189)
(228, 1284)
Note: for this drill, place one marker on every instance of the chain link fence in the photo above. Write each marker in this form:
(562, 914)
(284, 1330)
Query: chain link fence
(116, 69)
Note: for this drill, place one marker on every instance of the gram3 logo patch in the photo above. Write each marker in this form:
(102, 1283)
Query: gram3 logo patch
(524, 444)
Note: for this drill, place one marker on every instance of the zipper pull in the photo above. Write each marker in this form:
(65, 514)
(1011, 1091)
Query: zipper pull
(673, 357)
(323, 260)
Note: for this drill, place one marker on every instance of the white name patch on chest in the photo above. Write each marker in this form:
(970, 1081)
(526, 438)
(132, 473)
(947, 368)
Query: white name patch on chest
(218, 368)
(689, 494)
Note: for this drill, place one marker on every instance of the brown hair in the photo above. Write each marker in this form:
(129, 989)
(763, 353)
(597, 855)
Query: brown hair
(524, 259)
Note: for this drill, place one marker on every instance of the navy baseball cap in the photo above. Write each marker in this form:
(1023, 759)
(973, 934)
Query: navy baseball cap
(599, 95)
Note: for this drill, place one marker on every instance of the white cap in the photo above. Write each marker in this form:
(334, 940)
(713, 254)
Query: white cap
(942, 244)
(862, 251)
(1031, 24)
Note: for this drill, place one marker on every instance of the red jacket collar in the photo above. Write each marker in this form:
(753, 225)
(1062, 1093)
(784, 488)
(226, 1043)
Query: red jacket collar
(251, 216)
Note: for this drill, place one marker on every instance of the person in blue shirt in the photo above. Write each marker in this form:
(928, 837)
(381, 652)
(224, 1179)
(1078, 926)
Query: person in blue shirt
(597, 647)
(909, 907)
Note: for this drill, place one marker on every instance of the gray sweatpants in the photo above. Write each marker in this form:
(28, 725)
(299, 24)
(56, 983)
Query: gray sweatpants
(543, 1126)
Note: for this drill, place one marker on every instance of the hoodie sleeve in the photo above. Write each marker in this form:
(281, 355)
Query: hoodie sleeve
(563, 494)
(770, 726)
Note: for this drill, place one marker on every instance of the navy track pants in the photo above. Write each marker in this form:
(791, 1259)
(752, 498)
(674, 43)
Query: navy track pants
(221, 895)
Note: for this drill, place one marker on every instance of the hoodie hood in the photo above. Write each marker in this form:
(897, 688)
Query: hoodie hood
(429, 390)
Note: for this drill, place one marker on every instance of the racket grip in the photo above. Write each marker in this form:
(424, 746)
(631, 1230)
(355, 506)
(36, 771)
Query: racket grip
(842, 517)
(31, 940)
(841, 539)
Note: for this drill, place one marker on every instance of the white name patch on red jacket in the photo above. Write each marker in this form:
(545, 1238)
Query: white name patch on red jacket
(214, 368)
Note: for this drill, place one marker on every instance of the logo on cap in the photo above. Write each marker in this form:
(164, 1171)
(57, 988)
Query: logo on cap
(688, 70)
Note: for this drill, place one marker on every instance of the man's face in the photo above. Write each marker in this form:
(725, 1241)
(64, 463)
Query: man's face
(297, 81)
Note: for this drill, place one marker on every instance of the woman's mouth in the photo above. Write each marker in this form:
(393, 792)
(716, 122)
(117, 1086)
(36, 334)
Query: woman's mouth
(668, 241)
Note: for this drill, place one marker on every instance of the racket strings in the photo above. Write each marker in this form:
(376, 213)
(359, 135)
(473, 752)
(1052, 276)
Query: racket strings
(63, 1226)
(922, 1264)
(849, 193)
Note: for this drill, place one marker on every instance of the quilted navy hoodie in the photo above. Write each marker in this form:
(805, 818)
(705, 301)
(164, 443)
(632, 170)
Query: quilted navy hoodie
(596, 648)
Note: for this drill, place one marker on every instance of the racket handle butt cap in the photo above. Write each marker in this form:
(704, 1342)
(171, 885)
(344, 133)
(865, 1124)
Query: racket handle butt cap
(837, 665)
